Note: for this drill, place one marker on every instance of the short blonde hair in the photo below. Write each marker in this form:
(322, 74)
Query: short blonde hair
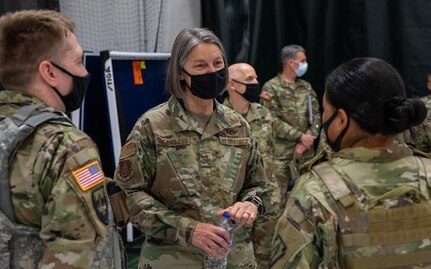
(27, 38)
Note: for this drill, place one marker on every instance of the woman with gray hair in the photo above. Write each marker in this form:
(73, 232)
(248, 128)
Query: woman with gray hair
(188, 161)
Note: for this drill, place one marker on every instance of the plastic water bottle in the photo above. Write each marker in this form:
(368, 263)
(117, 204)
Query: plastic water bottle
(213, 263)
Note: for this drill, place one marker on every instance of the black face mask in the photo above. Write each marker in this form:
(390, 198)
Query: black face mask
(336, 145)
(251, 93)
(209, 85)
(73, 100)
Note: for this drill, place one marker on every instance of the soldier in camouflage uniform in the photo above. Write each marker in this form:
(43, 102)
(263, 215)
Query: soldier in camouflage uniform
(48, 187)
(419, 137)
(369, 206)
(243, 92)
(189, 160)
(296, 123)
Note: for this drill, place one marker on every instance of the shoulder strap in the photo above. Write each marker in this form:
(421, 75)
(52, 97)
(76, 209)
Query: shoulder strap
(14, 130)
(424, 183)
(335, 184)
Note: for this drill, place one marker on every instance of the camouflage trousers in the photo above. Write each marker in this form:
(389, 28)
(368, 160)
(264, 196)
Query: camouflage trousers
(282, 175)
(263, 227)
(262, 234)
(286, 169)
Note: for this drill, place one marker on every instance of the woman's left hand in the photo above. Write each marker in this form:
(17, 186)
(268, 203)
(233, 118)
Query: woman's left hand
(241, 212)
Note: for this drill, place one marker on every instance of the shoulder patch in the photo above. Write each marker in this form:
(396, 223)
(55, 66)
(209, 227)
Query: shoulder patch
(88, 176)
(100, 203)
(128, 150)
(125, 169)
(265, 95)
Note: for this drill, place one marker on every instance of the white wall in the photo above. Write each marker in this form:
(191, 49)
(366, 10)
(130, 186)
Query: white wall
(131, 25)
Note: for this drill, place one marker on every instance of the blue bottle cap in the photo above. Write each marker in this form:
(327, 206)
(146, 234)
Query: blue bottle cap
(226, 215)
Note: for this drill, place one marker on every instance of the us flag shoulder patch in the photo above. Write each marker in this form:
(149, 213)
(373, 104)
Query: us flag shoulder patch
(265, 95)
(88, 176)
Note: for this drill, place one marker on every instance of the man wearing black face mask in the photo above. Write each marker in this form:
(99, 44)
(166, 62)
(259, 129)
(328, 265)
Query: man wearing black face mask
(243, 94)
(56, 207)
(73, 99)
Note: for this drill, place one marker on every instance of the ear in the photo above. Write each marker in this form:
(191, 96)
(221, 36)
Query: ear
(342, 119)
(46, 71)
(230, 85)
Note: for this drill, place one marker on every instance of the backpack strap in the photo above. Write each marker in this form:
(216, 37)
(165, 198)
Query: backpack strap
(14, 130)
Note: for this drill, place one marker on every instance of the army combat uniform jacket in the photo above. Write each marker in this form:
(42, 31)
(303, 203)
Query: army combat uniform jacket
(287, 103)
(176, 174)
(49, 192)
(363, 209)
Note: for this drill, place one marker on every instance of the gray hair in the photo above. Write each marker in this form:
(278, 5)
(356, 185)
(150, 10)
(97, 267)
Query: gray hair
(289, 52)
(184, 43)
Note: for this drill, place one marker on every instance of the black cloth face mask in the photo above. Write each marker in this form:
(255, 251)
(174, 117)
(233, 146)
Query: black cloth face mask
(73, 100)
(336, 145)
(209, 85)
(251, 93)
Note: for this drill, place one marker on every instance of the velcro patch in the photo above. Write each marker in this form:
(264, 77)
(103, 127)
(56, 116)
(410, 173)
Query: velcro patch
(234, 141)
(128, 150)
(125, 169)
(265, 95)
(88, 176)
(172, 142)
(100, 203)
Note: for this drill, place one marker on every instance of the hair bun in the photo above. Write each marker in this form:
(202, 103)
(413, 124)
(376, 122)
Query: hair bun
(402, 113)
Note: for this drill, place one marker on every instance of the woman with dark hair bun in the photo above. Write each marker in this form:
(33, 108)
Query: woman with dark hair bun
(369, 206)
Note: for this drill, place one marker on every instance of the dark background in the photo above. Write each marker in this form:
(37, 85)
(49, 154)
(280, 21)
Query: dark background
(332, 32)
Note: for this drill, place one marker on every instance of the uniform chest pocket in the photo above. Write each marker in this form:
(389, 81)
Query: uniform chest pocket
(183, 172)
(175, 175)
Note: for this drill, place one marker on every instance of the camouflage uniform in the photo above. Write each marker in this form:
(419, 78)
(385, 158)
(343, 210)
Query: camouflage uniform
(46, 195)
(355, 217)
(287, 103)
(261, 121)
(177, 174)
(419, 137)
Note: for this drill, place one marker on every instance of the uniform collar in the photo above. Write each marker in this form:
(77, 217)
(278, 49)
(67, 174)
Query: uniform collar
(252, 113)
(286, 84)
(18, 98)
(219, 120)
(396, 151)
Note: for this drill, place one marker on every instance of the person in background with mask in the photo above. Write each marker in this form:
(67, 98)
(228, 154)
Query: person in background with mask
(295, 108)
(60, 215)
(189, 160)
(369, 206)
(243, 93)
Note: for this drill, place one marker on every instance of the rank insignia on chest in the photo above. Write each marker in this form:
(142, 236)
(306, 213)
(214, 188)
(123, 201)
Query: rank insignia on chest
(88, 176)
(231, 132)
